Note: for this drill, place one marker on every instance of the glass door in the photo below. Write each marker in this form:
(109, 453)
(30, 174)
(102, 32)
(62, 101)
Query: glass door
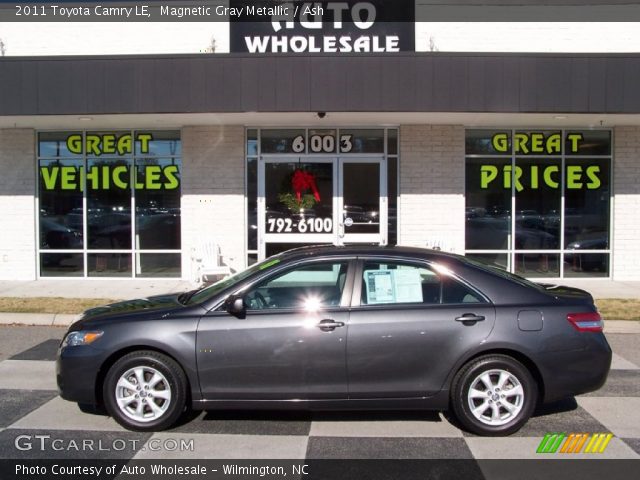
(362, 201)
(297, 203)
(313, 201)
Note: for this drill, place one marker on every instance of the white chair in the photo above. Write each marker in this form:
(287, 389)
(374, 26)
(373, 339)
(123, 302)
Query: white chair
(207, 262)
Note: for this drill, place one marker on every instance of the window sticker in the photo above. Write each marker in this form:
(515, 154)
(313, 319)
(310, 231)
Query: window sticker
(379, 286)
(408, 285)
(393, 286)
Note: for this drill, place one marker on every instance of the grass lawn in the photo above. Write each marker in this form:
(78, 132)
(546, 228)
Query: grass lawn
(610, 308)
(619, 308)
(49, 304)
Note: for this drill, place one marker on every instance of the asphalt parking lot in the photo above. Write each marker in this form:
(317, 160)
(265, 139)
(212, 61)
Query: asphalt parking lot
(30, 407)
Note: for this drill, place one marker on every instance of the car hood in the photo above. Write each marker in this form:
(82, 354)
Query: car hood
(157, 305)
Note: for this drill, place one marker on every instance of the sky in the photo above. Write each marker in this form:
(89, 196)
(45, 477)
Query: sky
(95, 38)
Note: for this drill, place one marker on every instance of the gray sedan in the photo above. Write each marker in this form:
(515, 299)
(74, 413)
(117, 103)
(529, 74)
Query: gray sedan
(341, 328)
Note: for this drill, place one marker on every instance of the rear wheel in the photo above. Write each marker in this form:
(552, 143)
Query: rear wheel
(493, 395)
(145, 391)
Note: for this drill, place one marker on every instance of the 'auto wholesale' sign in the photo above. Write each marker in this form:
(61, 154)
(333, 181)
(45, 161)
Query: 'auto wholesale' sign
(322, 27)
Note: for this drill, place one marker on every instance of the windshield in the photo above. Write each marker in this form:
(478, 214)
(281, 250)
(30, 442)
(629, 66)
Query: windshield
(212, 290)
(503, 273)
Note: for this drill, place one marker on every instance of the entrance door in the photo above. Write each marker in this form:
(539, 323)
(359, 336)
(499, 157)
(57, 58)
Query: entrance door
(315, 200)
(362, 201)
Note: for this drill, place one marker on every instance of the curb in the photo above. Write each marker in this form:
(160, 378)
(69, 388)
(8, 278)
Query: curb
(37, 319)
(64, 320)
(621, 326)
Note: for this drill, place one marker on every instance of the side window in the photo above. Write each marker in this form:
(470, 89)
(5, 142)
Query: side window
(398, 282)
(307, 287)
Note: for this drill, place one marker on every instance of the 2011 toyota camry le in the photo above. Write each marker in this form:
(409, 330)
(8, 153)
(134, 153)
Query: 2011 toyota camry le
(325, 328)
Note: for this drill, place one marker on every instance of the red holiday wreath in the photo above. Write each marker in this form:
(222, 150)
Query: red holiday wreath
(299, 200)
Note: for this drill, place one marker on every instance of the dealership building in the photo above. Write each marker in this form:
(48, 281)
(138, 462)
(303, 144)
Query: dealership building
(132, 166)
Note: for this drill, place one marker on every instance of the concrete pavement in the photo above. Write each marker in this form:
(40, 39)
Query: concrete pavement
(116, 289)
(30, 407)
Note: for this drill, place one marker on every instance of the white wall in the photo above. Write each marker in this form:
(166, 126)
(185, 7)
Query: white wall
(17, 190)
(626, 198)
(213, 186)
(432, 187)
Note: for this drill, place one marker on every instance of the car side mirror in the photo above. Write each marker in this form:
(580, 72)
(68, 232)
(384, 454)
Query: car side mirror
(235, 306)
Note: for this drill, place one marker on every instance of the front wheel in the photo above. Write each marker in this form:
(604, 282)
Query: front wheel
(145, 391)
(493, 395)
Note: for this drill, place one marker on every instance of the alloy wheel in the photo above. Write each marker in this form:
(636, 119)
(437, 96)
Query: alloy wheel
(495, 397)
(143, 394)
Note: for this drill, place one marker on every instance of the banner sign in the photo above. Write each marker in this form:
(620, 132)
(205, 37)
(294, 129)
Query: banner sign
(373, 26)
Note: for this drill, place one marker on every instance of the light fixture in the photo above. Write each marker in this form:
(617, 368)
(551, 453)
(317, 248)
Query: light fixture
(560, 117)
(85, 119)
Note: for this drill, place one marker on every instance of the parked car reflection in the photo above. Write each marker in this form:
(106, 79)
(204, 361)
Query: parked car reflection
(588, 261)
(54, 235)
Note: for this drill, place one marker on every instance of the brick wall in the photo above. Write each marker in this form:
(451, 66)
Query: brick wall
(17, 190)
(432, 186)
(213, 204)
(626, 198)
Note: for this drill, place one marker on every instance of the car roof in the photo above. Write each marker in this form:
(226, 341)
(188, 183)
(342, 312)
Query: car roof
(365, 250)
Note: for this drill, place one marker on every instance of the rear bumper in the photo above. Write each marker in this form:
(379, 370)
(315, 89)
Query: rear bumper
(574, 372)
(77, 370)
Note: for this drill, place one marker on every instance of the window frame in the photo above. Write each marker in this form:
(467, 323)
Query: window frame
(420, 263)
(345, 298)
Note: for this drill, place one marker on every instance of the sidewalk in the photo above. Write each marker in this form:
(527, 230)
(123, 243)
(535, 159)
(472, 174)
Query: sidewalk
(116, 289)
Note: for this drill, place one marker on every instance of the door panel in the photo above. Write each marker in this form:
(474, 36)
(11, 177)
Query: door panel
(272, 356)
(409, 352)
(407, 329)
(291, 343)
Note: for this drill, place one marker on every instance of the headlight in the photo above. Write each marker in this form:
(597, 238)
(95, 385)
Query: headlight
(73, 339)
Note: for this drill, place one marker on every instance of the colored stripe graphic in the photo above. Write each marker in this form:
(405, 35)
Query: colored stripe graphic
(598, 443)
(550, 443)
(574, 443)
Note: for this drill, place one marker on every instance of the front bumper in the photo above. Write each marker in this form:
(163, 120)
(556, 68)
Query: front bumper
(77, 370)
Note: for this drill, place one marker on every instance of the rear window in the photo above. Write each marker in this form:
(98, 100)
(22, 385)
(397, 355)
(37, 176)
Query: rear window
(503, 273)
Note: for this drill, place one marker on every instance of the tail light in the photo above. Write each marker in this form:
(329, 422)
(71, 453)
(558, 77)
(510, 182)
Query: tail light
(586, 322)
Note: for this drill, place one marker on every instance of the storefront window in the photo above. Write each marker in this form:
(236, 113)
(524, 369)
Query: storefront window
(551, 188)
(113, 173)
(108, 204)
(61, 220)
(538, 199)
(488, 204)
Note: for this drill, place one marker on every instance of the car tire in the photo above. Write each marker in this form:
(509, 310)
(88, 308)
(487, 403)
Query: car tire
(493, 395)
(145, 391)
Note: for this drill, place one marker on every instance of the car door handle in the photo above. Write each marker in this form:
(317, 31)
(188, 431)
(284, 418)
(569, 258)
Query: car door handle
(470, 317)
(328, 325)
